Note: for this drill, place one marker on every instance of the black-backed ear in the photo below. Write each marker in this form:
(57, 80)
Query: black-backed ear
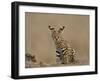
(61, 29)
(51, 28)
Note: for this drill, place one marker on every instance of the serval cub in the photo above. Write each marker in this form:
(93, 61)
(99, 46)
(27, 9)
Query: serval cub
(65, 54)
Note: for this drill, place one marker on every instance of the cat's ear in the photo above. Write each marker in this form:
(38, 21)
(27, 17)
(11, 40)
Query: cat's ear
(61, 29)
(51, 28)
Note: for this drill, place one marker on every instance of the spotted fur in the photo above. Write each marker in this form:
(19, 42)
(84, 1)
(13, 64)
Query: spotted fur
(64, 51)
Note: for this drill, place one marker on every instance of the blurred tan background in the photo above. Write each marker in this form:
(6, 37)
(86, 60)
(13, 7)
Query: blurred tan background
(38, 40)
